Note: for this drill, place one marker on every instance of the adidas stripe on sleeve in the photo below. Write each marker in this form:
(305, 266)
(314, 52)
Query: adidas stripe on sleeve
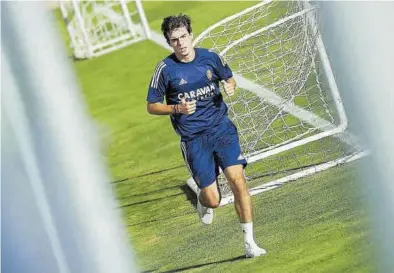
(157, 86)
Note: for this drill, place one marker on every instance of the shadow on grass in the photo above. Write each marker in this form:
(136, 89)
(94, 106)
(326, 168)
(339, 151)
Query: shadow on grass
(148, 201)
(147, 174)
(205, 264)
(147, 193)
(190, 195)
(171, 217)
(183, 187)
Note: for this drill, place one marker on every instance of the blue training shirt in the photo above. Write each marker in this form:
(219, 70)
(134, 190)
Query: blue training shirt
(196, 80)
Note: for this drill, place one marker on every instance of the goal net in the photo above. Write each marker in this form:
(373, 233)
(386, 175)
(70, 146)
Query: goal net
(99, 27)
(287, 107)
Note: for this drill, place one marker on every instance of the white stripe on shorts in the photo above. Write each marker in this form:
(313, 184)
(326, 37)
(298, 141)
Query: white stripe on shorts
(183, 147)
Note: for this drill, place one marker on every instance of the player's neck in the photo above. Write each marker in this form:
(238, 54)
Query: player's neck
(187, 58)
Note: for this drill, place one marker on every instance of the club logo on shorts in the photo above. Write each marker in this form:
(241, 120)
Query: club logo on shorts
(209, 74)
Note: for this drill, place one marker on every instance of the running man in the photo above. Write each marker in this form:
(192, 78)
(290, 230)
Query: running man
(189, 81)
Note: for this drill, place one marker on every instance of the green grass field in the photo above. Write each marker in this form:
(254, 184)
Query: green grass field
(317, 224)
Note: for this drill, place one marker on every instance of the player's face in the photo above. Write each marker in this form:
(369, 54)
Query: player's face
(181, 41)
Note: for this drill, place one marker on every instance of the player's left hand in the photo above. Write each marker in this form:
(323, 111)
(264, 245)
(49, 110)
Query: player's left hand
(228, 88)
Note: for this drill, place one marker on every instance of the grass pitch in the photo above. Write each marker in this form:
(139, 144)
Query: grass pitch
(317, 224)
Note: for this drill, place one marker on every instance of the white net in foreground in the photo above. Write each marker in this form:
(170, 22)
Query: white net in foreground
(287, 107)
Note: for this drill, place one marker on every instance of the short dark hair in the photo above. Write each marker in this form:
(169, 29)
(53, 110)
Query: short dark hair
(173, 22)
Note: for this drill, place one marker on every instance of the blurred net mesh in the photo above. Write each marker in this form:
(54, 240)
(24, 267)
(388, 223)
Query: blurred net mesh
(283, 94)
(104, 23)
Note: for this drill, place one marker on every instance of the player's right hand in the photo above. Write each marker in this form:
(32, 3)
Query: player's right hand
(187, 107)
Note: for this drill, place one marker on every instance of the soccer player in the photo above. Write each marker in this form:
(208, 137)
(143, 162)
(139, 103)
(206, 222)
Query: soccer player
(189, 81)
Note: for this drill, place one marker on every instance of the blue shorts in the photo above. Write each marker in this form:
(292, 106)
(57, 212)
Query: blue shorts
(219, 147)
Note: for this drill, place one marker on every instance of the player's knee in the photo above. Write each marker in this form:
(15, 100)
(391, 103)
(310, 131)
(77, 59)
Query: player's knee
(211, 200)
(210, 196)
(213, 203)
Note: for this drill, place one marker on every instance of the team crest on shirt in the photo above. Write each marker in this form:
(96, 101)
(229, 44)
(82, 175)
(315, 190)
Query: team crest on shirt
(209, 74)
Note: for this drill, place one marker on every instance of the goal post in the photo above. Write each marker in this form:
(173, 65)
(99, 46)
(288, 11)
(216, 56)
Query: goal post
(287, 108)
(99, 27)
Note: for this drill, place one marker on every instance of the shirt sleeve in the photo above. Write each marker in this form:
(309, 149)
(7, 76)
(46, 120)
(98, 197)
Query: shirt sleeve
(223, 71)
(157, 86)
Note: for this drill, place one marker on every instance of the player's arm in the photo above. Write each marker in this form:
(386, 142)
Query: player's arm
(156, 93)
(184, 107)
(160, 109)
(229, 86)
(225, 74)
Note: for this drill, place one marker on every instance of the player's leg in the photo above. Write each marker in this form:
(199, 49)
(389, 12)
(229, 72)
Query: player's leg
(209, 196)
(198, 155)
(228, 155)
(243, 203)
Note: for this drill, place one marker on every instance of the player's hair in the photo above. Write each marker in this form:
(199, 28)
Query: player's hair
(173, 22)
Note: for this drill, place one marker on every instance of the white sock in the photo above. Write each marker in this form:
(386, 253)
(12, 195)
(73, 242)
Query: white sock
(247, 229)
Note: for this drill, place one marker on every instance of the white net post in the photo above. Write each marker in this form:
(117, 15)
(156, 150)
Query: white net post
(99, 27)
(144, 21)
(58, 211)
(360, 41)
(85, 51)
(287, 107)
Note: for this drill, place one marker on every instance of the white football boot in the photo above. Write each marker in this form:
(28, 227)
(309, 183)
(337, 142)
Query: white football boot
(252, 250)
